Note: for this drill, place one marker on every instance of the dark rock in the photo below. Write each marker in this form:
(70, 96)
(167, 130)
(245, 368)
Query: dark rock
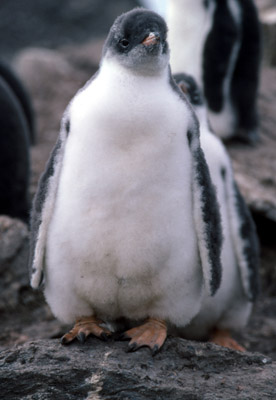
(13, 235)
(255, 166)
(13, 261)
(103, 370)
(52, 24)
(268, 20)
(52, 82)
(24, 314)
(267, 15)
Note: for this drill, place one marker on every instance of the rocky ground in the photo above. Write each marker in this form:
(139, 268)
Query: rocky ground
(99, 370)
(32, 364)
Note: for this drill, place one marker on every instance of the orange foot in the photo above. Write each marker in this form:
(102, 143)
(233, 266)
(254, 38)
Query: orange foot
(152, 334)
(223, 338)
(83, 328)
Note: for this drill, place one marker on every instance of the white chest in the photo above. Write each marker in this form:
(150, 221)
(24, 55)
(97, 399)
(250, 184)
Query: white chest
(127, 140)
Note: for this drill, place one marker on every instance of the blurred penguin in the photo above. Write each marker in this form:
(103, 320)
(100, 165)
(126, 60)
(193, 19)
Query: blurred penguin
(22, 95)
(218, 42)
(16, 133)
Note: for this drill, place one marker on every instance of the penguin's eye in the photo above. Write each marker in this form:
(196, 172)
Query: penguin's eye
(124, 43)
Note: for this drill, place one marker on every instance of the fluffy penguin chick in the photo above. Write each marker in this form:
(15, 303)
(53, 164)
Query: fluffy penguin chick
(230, 308)
(125, 223)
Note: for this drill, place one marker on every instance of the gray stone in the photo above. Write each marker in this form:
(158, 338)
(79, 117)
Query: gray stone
(13, 261)
(268, 23)
(13, 234)
(264, 4)
(52, 81)
(255, 166)
(103, 370)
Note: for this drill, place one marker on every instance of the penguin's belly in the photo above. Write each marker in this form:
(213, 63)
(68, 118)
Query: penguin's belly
(123, 238)
(122, 234)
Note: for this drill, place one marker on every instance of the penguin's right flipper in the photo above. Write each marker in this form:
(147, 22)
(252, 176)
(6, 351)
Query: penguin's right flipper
(206, 216)
(43, 206)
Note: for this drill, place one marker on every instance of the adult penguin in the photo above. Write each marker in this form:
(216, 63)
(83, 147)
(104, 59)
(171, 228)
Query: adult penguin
(218, 43)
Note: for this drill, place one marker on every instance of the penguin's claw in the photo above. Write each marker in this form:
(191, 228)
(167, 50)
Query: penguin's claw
(223, 338)
(81, 337)
(151, 334)
(83, 328)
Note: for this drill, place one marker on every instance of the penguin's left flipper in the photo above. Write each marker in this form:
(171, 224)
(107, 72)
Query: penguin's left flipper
(152, 334)
(43, 206)
(223, 338)
(85, 327)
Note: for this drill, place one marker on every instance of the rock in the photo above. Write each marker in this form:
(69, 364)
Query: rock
(255, 166)
(264, 4)
(103, 370)
(13, 261)
(85, 57)
(24, 314)
(268, 22)
(52, 81)
(13, 234)
(52, 24)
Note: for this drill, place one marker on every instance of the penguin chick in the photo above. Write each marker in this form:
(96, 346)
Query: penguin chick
(125, 222)
(230, 308)
(218, 42)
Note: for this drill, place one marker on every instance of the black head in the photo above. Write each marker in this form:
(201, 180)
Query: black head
(138, 40)
(189, 86)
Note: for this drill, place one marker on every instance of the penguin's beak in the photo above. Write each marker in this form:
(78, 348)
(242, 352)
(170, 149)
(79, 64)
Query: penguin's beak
(152, 38)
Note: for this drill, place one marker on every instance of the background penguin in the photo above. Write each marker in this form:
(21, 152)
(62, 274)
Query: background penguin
(230, 308)
(16, 129)
(22, 95)
(218, 42)
(125, 223)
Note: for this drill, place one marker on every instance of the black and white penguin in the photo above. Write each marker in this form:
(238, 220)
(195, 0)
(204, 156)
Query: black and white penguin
(125, 223)
(14, 149)
(230, 308)
(218, 42)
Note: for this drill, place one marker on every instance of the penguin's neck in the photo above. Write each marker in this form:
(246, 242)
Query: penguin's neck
(123, 109)
(112, 71)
